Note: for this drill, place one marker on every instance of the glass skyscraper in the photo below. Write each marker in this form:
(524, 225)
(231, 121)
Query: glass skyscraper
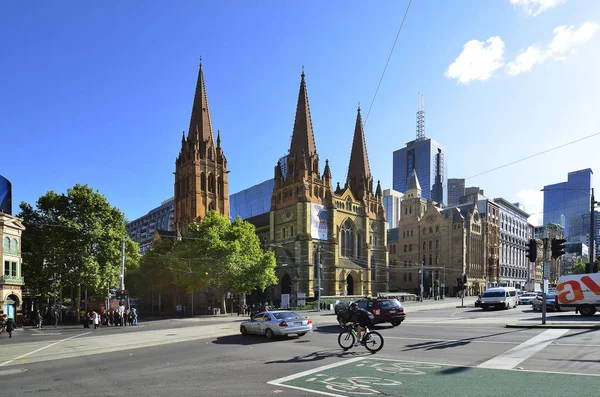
(428, 158)
(255, 200)
(5, 196)
(568, 204)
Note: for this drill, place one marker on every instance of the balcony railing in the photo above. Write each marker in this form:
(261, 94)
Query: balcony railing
(11, 279)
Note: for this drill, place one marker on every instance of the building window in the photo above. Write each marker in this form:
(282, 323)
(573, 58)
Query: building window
(430, 261)
(6, 268)
(373, 271)
(409, 276)
(348, 204)
(202, 182)
(437, 244)
(409, 247)
(404, 247)
(7, 243)
(424, 245)
(347, 240)
(430, 244)
(283, 232)
(410, 210)
(291, 231)
(411, 233)
(14, 269)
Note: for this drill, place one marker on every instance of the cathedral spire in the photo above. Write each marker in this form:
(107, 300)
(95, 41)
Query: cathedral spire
(359, 172)
(200, 124)
(303, 138)
(218, 139)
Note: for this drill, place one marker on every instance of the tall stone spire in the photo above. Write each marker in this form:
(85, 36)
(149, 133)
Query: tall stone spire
(359, 172)
(303, 138)
(200, 124)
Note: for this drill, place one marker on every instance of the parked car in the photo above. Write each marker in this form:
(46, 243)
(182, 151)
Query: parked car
(384, 310)
(277, 323)
(551, 302)
(526, 298)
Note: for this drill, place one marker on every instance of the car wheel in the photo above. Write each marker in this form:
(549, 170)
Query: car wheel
(587, 310)
(243, 330)
(269, 334)
(396, 323)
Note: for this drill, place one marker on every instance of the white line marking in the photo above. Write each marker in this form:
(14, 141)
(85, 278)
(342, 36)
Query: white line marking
(312, 371)
(42, 348)
(454, 340)
(518, 354)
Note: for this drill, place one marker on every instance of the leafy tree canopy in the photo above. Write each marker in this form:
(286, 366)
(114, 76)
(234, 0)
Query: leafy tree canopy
(74, 239)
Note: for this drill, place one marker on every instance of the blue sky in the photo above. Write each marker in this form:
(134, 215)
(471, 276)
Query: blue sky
(99, 94)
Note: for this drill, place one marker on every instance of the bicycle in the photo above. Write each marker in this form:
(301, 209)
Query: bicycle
(372, 340)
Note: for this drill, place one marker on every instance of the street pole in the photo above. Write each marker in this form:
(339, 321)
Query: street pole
(318, 277)
(591, 245)
(462, 293)
(192, 302)
(123, 263)
(544, 277)
(421, 271)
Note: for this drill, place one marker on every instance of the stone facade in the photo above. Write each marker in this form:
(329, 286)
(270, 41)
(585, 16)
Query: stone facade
(443, 243)
(11, 278)
(201, 172)
(345, 227)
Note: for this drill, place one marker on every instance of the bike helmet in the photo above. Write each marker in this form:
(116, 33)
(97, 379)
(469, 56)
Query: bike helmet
(352, 305)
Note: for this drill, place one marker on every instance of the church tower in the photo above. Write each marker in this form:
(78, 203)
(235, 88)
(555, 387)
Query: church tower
(201, 167)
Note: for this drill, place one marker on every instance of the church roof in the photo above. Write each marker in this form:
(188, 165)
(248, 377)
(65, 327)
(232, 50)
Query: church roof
(413, 183)
(200, 123)
(303, 138)
(358, 169)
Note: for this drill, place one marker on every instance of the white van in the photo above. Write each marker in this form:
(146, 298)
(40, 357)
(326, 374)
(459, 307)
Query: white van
(579, 292)
(499, 298)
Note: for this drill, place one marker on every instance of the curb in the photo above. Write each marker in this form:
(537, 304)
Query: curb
(555, 326)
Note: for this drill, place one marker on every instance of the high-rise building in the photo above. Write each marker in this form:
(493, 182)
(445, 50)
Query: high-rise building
(143, 229)
(253, 201)
(392, 201)
(456, 189)
(568, 204)
(428, 158)
(5, 196)
(201, 167)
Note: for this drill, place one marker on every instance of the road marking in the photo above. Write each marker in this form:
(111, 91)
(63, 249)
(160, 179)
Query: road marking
(42, 348)
(312, 371)
(518, 354)
(454, 340)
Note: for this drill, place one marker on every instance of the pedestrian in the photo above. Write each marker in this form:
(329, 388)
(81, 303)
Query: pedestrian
(10, 326)
(95, 319)
(56, 315)
(2, 323)
(40, 319)
(134, 315)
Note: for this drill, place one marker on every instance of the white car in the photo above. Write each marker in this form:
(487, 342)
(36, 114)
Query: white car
(277, 323)
(526, 298)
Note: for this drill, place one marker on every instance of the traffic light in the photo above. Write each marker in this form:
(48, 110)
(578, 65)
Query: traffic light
(464, 280)
(558, 247)
(122, 294)
(532, 250)
(459, 280)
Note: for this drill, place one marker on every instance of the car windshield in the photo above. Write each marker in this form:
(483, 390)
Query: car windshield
(388, 304)
(284, 315)
(493, 294)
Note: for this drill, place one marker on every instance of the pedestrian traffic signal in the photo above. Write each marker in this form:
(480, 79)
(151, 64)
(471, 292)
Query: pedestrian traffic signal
(459, 280)
(558, 247)
(122, 294)
(532, 250)
(464, 279)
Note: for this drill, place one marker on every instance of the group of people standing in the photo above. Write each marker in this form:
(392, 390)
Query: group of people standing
(118, 318)
(7, 324)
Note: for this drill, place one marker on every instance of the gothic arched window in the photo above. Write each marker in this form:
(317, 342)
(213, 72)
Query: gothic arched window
(348, 204)
(430, 243)
(291, 231)
(347, 239)
(404, 247)
(424, 245)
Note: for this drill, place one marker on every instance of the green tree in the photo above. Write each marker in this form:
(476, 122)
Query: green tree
(579, 268)
(224, 256)
(74, 239)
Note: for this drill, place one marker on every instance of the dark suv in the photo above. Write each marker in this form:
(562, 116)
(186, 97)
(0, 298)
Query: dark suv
(384, 310)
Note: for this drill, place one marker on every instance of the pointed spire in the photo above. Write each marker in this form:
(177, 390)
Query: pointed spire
(200, 124)
(359, 172)
(183, 137)
(278, 170)
(413, 183)
(218, 139)
(378, 191)
(303, 138)
(327, 171)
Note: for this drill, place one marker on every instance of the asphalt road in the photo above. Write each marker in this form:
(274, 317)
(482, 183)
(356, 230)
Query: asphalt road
(468, 349)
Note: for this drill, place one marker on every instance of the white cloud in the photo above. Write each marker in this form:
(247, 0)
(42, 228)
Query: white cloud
(566, 38)
(525, 61)
(536, 7)
(478, 60)
(533, 203)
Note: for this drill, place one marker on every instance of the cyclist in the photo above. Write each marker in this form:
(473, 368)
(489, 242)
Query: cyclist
(363, 317)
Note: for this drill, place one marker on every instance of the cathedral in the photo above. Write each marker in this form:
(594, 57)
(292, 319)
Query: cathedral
(311, 220)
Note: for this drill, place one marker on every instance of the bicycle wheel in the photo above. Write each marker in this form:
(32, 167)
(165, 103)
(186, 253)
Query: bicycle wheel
(346, 340)
(374, 342)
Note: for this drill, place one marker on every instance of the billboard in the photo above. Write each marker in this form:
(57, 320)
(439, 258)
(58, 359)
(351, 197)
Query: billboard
(5, 196)
(319, 217)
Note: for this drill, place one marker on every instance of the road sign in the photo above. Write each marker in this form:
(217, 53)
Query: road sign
(546, 270)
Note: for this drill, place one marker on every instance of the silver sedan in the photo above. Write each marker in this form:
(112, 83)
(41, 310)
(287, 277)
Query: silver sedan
(277, 323)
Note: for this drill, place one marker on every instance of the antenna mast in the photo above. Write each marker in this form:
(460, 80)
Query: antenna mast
(420, 117)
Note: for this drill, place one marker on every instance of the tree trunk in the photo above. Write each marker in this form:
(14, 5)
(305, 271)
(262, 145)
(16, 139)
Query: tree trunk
(223, 303)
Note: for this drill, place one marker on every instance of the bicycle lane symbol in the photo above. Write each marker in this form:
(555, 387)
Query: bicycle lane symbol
(356, 385)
